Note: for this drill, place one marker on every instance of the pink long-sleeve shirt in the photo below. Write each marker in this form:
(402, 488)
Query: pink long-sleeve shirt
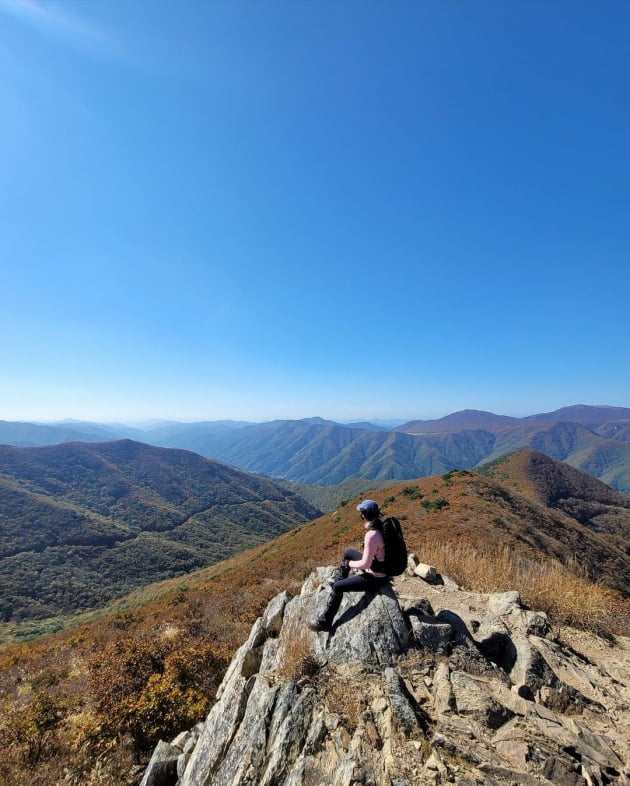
(373, 546)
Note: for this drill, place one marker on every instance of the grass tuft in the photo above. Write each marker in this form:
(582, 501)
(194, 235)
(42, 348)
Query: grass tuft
(298, 659)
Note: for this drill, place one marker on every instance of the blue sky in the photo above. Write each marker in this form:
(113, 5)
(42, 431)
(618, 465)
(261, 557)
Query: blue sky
(262, 210)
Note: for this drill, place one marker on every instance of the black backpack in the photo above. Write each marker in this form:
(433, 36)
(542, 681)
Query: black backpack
(395, 548)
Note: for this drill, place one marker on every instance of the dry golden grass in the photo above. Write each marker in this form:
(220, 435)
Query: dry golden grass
(298, 659)
(562, 591)
(345, 698)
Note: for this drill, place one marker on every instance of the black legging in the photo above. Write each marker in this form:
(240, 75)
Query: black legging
(360, 582)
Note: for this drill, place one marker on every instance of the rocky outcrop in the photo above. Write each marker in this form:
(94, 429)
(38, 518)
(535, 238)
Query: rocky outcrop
(418, 683)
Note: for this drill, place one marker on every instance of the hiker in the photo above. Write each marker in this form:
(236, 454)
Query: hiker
(371, 563)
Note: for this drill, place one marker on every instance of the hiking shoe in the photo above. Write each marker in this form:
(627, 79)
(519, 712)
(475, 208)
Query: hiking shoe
(342, 572)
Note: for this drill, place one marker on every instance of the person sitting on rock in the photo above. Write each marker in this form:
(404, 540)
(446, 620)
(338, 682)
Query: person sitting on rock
(370, 563)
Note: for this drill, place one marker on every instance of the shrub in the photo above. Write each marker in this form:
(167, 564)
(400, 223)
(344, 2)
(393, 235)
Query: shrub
(435, 504)
(32, 730)
(151, 687)
(413, 492)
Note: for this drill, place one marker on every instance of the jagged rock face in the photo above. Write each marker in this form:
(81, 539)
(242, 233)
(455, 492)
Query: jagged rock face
(425, 685)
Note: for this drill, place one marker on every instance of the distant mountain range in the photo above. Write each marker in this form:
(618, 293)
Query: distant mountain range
(595, 439)
(83, 523)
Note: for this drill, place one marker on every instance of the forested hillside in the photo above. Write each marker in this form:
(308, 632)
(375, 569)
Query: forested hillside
(83, 523)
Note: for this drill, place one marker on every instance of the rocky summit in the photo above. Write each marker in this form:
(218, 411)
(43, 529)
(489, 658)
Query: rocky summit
(418, 683)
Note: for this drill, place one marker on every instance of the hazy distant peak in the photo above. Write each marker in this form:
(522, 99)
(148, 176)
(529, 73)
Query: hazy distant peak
(466, 419)
(585, 414)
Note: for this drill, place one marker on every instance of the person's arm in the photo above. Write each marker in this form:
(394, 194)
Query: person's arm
(370, 544)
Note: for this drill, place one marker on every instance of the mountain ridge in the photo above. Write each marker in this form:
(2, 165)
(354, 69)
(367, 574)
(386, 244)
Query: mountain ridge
(322, 452)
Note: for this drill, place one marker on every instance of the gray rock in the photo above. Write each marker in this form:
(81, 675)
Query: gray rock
(369, 628)
(361, 705)
(269, 656)
(162, 768)
(503, 602)
(431, 634)
(181, 739)
(471, 699)
(182, 763)
(225, 716)
(274, 613)
(449, 582)
(564, 771)
(461, 635)
(289, 733)
(530, 623)
(442, 691)
(419, 607)
(494, 640)
(241, 757)
(404, 716)
(530, 669)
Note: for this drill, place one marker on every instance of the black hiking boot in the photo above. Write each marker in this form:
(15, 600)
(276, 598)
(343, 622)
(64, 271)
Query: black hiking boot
(342, 572)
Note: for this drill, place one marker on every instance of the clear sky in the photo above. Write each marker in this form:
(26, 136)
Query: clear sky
(350, 209)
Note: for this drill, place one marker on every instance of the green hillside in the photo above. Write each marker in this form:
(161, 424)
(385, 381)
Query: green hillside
(81, 524)
(326, 454)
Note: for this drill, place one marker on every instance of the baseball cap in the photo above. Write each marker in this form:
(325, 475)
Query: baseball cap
(369, 507)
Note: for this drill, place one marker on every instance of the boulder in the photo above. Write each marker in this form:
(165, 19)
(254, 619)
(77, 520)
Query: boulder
(430, 634)
(274, 614)
(530, 669)
(503, 602)
(369, 627)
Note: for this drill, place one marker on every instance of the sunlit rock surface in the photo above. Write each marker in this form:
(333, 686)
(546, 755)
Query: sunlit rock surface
(419, 683)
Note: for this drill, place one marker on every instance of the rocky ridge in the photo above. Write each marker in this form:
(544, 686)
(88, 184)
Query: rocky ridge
(419, 683)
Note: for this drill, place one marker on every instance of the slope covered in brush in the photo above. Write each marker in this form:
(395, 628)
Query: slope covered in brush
(557, 485)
